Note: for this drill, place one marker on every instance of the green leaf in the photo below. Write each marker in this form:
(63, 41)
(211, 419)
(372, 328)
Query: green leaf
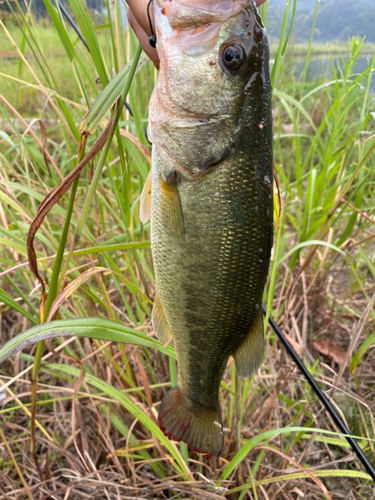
(107, 98)
(358, 355)
(60, 28)
(93, 328)
(133, 245)
(308, 243)
(12, 243)
(4, 297)
(334, 441)
(87, 26)
(287, 98)
(301, 475)
(249, 445)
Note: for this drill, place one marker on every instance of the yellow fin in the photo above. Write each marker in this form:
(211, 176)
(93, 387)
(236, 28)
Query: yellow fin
(173, 220)
(145, 206)
(250, 353)
(160, 323)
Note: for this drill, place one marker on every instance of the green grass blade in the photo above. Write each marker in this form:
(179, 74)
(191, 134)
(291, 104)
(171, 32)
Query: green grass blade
(360, 352)
(89, 33)
(103, 157)
(106, 99)
(10, 302)
(60, 28)
(93, 328)
(279, 54)
(241, 454)
(301, 475)
(311, 243)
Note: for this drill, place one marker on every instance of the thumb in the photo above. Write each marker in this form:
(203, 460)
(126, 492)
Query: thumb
(143, 38)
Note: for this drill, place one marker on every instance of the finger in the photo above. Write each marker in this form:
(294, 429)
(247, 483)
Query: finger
(143, 38)
(139, 10)
(259, 2)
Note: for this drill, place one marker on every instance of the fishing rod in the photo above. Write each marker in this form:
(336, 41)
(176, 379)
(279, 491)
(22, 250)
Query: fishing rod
(310, 379)
(81, 37)
(73, 25)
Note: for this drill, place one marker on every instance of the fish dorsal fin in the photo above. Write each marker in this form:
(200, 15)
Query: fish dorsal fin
(250, 353)
(145, 206)
(160, 323)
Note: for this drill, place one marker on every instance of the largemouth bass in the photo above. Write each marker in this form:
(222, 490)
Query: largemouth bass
(211, 203)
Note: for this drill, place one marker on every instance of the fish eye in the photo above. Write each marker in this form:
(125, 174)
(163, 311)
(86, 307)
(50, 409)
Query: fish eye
(233, 57)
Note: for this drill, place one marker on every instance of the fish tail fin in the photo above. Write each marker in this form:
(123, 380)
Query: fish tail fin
(201, 431)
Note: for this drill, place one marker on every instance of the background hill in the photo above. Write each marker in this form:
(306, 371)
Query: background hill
(336, 20)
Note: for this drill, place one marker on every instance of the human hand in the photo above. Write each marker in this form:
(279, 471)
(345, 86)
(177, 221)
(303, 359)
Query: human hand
(138, 20)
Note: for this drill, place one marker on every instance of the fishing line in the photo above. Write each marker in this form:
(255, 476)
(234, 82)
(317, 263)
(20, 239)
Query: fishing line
(310, 379)
(71, 22)
(152, 38)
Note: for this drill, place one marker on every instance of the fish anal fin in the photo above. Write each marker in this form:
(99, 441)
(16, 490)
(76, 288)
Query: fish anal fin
(201, 431)
(160, 323)
(249, 355)
(145, 205)
(173, 220)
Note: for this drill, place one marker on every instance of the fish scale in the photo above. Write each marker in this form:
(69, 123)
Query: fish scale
(211, 220)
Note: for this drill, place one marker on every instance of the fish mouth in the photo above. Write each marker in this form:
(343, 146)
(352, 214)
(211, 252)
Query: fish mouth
(172, 99)
(195, 121)
(186, 14)
(190, 122)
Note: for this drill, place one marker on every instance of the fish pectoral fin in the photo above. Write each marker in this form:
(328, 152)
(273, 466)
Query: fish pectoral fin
(250, 353)
(160, 323)
(145, 205)
(173, 220)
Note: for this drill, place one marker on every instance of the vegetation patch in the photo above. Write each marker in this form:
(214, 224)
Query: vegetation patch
(86, 404)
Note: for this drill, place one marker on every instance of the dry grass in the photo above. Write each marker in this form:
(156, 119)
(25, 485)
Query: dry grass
(322, 306)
